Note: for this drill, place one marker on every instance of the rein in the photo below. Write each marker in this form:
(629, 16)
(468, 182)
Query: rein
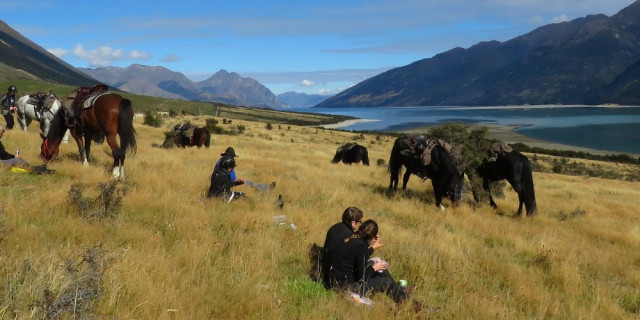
(45, 146)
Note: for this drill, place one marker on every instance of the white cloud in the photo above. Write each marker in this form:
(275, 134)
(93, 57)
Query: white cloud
(58, 52)
(138, 55)
(100, 57)
(560, 18)
(307, 83)
(170, 58)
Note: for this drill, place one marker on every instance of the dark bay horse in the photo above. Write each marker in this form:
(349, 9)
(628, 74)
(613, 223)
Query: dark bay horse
(107, 115)
(187, 136)
(516, 169)
(446, 179)
(351, 153)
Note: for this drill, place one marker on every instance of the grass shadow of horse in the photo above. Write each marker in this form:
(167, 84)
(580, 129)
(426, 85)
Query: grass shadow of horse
(422, 196)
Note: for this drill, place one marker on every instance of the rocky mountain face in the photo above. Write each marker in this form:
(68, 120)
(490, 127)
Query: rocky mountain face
(301, 100)
(224, 87)
(590, 60)
(21, 58)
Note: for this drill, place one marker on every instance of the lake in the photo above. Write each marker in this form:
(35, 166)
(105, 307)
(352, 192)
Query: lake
(611, 128)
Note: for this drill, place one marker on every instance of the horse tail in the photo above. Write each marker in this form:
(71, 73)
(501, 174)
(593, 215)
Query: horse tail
(207, 140)
(365, 156)
(527, 184)
(126, 131)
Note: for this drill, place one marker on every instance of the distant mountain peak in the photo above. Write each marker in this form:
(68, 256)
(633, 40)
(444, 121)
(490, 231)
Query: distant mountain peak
(589, 60)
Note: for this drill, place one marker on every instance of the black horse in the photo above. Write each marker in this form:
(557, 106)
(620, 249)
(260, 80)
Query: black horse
(516, 169)
(445, 177)
(351, 153)
(402, 156)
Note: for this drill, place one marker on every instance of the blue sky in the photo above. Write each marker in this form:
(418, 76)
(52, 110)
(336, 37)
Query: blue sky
(305, 46)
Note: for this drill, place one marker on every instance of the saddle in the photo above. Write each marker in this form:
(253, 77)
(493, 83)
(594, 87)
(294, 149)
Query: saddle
(42, 101)
(83, 98)
(347, 147)
(185, 133)
(430, 144)
(497, 149)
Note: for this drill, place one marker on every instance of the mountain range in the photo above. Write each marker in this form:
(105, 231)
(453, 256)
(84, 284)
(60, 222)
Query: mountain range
(223, 87)
(591, 60)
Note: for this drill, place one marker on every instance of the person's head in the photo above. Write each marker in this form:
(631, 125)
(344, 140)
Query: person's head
(12, 90)
(228, 164)
(352, 216)
(2, 128)
(229, 153)
(367, 231)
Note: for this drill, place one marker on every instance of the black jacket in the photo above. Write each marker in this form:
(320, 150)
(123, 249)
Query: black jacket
(4, 155)
(348, 263)
(221, 183)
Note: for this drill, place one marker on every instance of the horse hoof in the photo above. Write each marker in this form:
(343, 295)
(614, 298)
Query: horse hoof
(441, 207)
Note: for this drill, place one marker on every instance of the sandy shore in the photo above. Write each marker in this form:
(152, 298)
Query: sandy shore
(346, 123)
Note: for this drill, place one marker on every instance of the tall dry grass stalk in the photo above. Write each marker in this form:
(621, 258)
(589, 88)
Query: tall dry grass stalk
(171, 253)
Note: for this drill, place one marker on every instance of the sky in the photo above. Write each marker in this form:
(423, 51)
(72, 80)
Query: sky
(307, 46)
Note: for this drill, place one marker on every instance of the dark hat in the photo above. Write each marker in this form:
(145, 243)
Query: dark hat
(229, 153)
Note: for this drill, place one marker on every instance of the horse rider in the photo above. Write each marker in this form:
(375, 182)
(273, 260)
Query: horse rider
(8, 104)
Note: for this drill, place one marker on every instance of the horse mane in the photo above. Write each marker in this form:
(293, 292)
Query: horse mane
(58, 125)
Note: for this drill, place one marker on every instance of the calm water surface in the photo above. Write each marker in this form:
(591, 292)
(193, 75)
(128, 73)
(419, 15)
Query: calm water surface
(604, 128)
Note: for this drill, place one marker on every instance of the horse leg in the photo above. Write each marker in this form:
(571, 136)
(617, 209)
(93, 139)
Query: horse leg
(405, 179)
(81, 146)
(438, 195)
(118, 157)
(485, 186)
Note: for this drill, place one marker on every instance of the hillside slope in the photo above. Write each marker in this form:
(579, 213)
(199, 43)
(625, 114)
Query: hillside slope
(575, 62)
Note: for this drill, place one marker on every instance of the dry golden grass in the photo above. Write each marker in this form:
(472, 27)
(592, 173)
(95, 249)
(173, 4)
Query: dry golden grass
(171, 253)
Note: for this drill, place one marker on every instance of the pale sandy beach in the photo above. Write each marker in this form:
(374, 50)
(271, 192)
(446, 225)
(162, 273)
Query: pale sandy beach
(346, 123)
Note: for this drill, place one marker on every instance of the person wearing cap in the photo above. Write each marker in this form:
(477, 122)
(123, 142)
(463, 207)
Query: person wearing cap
(221, 182)
(15, 160)
(8, 104)
(228, 153)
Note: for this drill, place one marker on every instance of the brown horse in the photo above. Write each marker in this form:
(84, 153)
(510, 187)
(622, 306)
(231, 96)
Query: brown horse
(102, 115)
(187, 135)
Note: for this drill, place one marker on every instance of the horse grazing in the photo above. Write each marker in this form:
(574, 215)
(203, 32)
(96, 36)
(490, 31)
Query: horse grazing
(187, 135)
(98, 115)
(433, 163)
(351, 153)
(47, 102)
(516, 169)
(402, 154)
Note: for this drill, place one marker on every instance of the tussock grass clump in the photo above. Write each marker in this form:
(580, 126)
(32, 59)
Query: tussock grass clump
(106, 204)
(77, 296)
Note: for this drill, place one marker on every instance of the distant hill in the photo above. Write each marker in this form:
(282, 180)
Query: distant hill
(223, 87)
(301, 100)
(590, 60)
(21, 58)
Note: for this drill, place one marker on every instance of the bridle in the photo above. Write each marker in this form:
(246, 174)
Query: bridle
(45, 147)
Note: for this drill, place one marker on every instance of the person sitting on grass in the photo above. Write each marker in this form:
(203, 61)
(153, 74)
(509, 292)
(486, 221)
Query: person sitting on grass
(221, 182)
(15, 160)
(351, 269)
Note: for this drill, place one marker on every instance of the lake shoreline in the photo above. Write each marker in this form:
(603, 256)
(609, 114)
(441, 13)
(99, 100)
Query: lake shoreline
(504, 133)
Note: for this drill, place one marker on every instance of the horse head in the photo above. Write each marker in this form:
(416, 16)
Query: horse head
(48, 149)
(338, 155)
(455, 189)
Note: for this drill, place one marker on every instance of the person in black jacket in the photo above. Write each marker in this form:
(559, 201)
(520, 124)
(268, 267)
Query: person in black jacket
(351, 220)
(8, 105)
(221, 182)
(350, 267)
